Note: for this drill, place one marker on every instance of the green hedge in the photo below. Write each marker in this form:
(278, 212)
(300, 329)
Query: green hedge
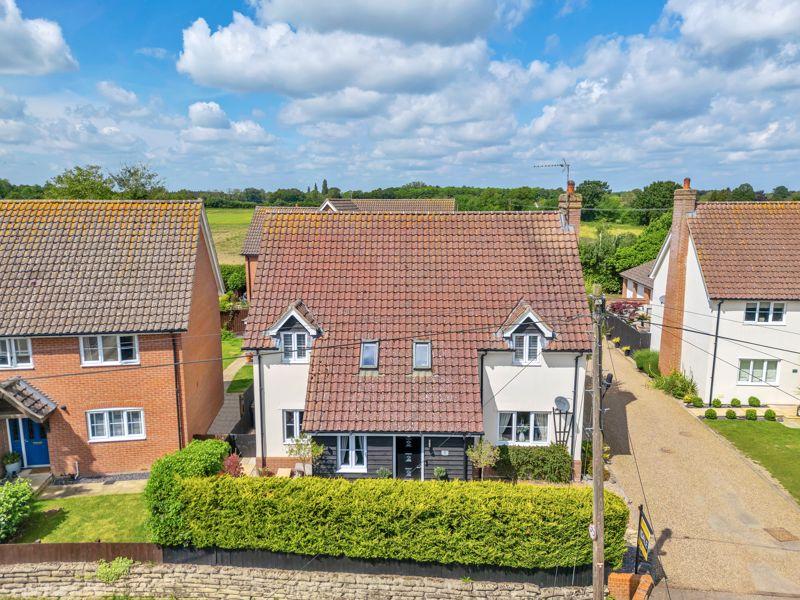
(543, 463)
(676, 384)
(471, 523)
(198, 459)
(647, 361)
(16, 504)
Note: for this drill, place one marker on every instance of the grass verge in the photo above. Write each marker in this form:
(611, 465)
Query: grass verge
(229, 228)
(231, 350)
(242, 380)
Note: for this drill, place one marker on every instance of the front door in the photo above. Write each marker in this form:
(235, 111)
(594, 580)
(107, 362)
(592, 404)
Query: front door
(29, 440)
(408, 459)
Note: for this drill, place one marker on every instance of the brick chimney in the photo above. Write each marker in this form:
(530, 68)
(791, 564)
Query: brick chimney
(569, 205)
(684, 205)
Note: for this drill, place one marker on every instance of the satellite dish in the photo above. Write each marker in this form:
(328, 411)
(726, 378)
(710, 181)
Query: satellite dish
(562, 404)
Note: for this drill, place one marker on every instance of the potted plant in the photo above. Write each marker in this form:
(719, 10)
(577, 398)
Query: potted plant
(615, 341)
(626, 350)
(522, 433)
(13, 463)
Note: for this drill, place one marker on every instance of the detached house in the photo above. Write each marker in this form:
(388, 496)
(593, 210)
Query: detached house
(397, 339)
(109, 332)
(726, 298)
(252, 241)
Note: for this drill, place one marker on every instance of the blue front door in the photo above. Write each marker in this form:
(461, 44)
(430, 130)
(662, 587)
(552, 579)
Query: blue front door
(29, 439)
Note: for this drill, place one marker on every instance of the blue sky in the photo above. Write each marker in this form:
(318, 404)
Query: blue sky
(281, 93)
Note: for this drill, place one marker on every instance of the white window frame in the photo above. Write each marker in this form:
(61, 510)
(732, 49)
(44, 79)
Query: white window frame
(377, 345)
(770, 317)
(100, 360)
(12, 353)
(350, 466)
(295, 335)
(296, 426)
(127, 437)
(760, 378)
(526, 360)
(414, 345)
(531, 419)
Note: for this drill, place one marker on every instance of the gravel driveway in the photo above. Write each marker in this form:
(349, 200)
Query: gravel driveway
(709, 505)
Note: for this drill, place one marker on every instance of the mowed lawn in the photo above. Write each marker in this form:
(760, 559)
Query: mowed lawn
(589, 229)
(772, 445)
(231, 350)
(229, 228)
(109, 518)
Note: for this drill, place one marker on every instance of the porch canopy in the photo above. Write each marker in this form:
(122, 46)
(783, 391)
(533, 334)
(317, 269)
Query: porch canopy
(18, 398)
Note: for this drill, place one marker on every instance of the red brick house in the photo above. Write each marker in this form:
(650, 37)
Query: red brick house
(109, 332)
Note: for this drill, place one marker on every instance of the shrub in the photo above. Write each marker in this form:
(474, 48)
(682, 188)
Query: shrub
(676, 384)
(227, 335)
(110, 572)
(730, 414)
(697, 402)
(16, 504)
(383, 473)
(198, 459)
(770, 415)
(440, 473)
(711, 414)
(750, 414)
(753, 401)
(478, 523)
(232, 465)
(736, 403)
(688, 399)
(234, 278)
(9, 458)
(483, 455)
(647, 361)
(544, 463)
(716, 403)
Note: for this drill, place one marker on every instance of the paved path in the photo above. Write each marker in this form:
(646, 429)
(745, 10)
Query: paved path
(94, 488)
(709, 505)
(229, 413)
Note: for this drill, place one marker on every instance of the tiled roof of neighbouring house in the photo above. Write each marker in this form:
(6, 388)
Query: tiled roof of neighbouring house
(748, 250)
(96, 266)
(452, 278)
(641, 273)
(25, 398)
(253, 238)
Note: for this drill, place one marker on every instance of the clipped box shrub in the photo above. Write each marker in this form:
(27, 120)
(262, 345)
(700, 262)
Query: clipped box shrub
(750, 414)
(697, 402)
(16, 504)
(197, 459)
(647, 361)
(754, 402)
(736, 403)
(551, 463)
(770, 415)
(730, 414)
(676, 384)
(711, 414)
(716, 403)
(470, 523)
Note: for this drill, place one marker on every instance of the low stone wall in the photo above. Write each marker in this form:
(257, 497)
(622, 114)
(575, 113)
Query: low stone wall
(77, 580)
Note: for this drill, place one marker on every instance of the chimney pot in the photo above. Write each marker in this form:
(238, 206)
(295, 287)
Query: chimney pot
(687, 183)
(570, 187)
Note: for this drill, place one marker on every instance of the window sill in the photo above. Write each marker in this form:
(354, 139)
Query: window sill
(757, 383)
(508, 443)
(18, 368)
(295, 362)
(351, 470)
(111, 364)
(536, 363)
(765, 323)
(132, 438)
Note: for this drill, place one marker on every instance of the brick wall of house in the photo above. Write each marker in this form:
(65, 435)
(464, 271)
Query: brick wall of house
(250, 265)
(200, 351)
(149, 386)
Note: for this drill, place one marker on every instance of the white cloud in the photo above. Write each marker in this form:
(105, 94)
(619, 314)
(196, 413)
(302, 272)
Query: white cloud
(153, 52)
(349, 103)
(11, 107)
(31, 46)
(210, 125)
(208, 114)
(570, 6)
(512, 12)
(439, 21)
(244, 56)
(116, 94)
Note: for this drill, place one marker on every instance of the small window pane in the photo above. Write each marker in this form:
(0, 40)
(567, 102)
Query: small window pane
(772, 371)
(116, 423)
(97, 425)
(506, 431)
(422, 355)
(287, 346)
(134, 422)
(299, 427)
(519, 348)
(22, 351)
(13, 424)
(777, 312)
(369, 355)
(750, 311)
(359, 458)
(540, 427)
(744, 370)
(127, 348)
(110, 348)
(288, 426)
(344, 450)
(5, 355)
(90, 350)
(533, 348)
(763, 312)
(523, 427)
(758, 371)
(300, 340)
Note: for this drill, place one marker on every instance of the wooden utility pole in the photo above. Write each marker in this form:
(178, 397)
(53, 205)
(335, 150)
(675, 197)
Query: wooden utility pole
(598, 549)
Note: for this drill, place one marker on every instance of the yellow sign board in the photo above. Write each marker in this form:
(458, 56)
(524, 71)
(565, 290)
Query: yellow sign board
(645, 537)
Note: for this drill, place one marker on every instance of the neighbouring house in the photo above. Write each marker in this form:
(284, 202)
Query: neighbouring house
(637, 284)
(252, 240)
(109, 332)
(726, 298)
(397, 339)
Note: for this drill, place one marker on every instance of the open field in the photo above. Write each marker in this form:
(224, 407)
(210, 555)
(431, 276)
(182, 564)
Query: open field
(589, 229)
(228, 228)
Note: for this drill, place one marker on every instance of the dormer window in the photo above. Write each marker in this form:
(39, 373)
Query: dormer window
(295, 347)
(422, 355)
(527, 348)
(369, 355)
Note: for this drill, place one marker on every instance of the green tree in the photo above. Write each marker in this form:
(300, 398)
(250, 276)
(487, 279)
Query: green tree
(781, 193)
(5, 188)
(325, 188)
(87, 182)
(597, 257)
(646, 247)
(653, 200)
(592, 192)
(483, 455)
(138, 182)
(743, 193)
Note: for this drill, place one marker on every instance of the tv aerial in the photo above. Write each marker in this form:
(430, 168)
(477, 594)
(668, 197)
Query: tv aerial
(562, 164)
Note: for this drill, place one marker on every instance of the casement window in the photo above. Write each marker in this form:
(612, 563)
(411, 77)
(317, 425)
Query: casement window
(295, 347)
(422, 355)
(116, 425)
(764, 312)
(109, 350)
(352, 453)
(292, 424)
(758, 371)
(15, 353)
(526, 349)
(523, 427)
(369, 355)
